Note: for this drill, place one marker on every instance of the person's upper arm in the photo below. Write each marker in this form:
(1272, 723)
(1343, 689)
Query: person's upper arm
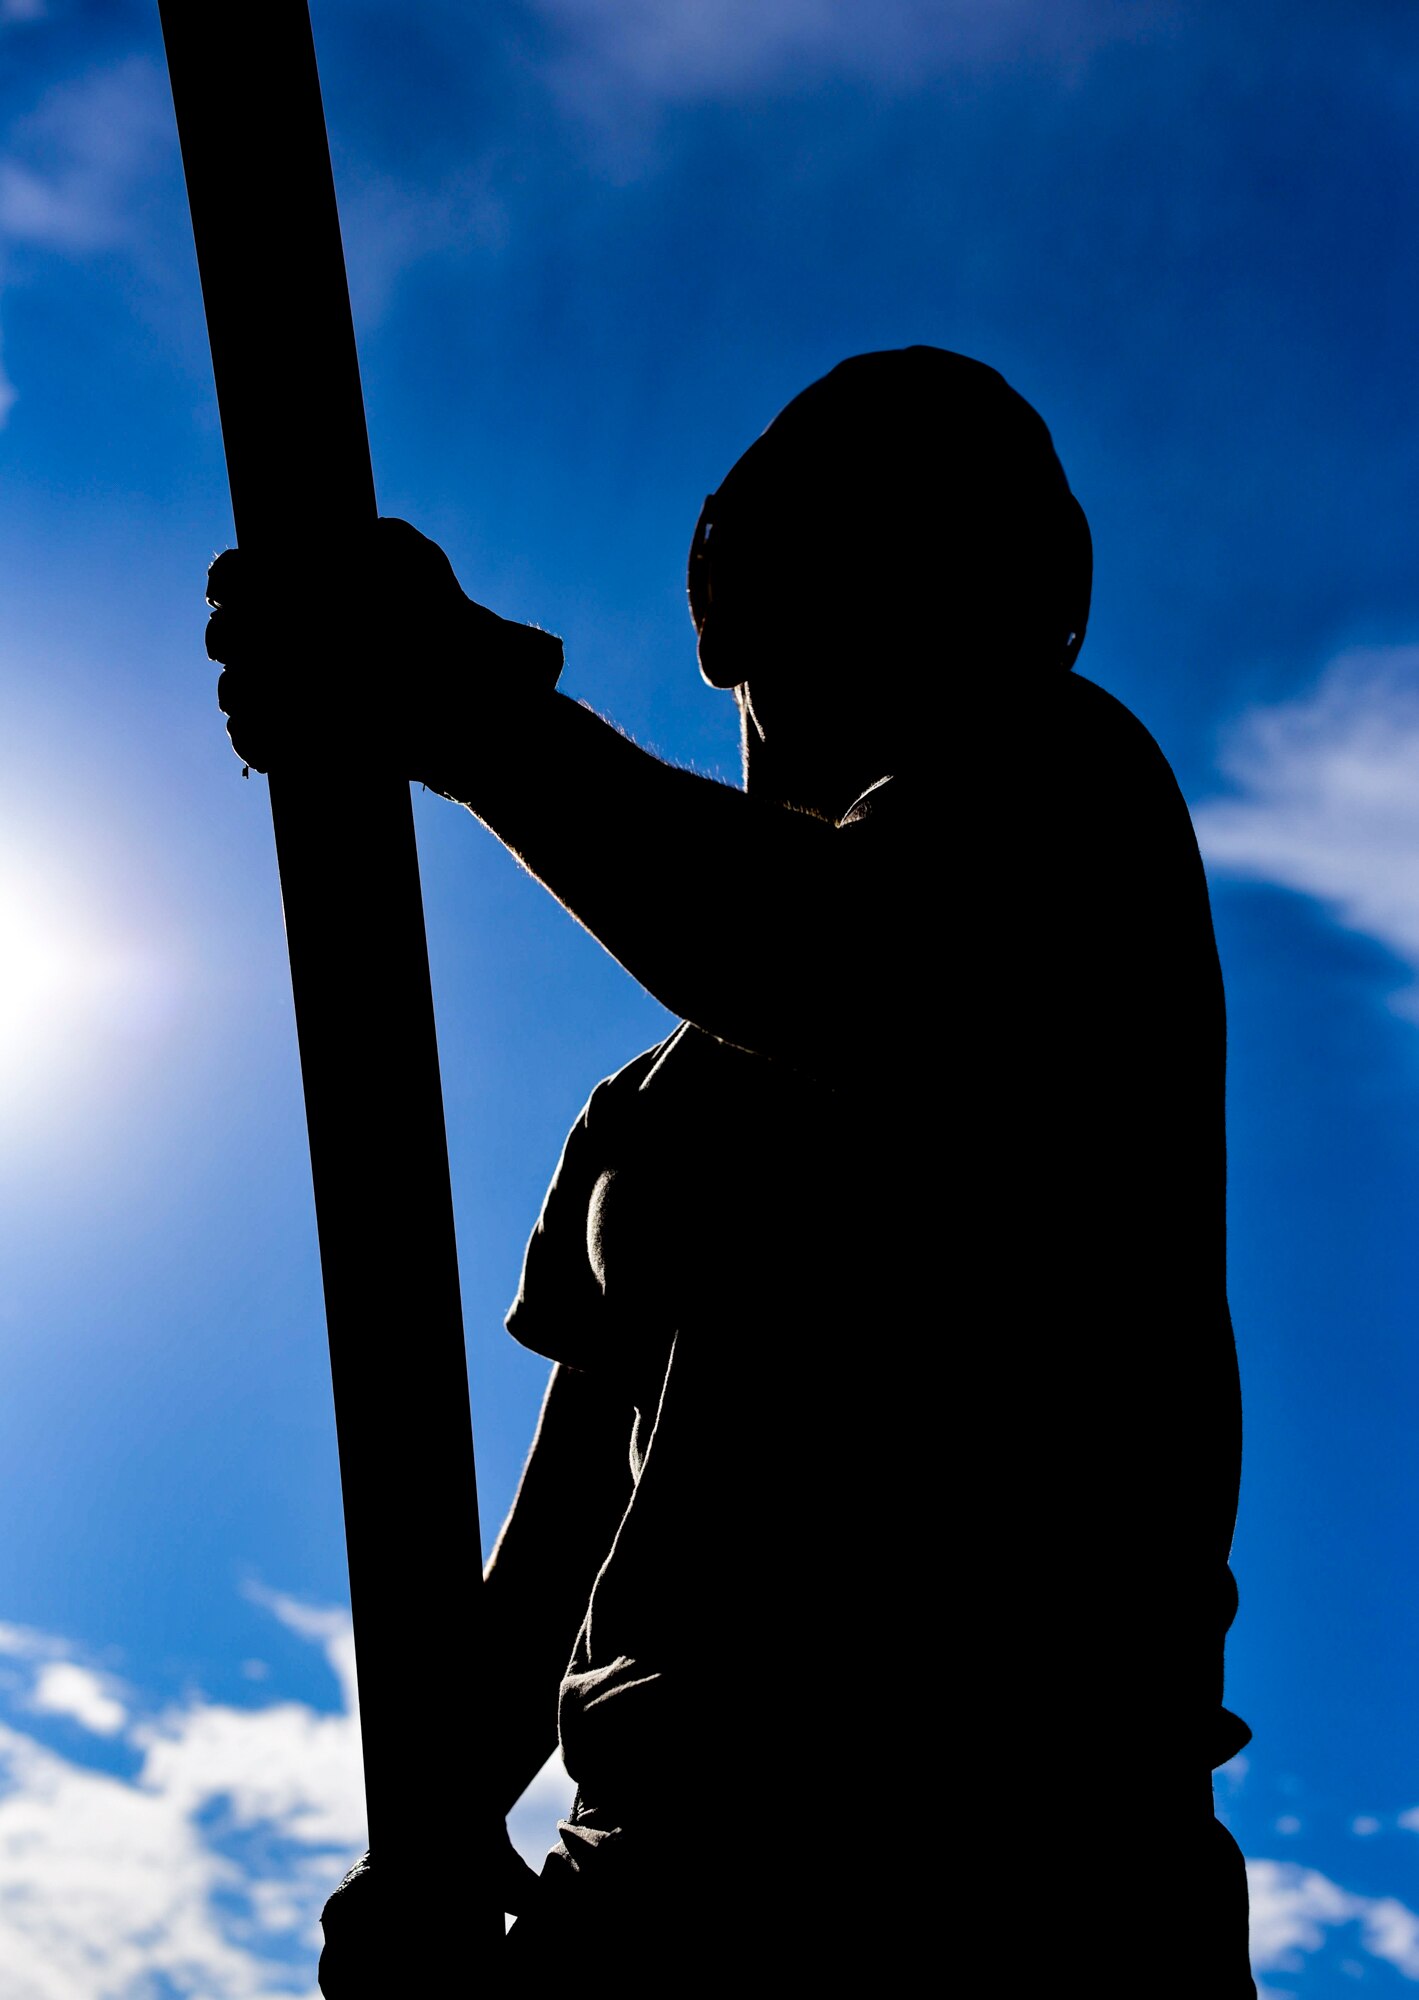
(831, 935)
(560, 1306)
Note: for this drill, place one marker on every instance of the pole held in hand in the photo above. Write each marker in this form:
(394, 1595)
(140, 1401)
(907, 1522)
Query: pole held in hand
(262, 196)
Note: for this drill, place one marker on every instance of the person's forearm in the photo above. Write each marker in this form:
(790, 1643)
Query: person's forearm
(728, 908)
(720, 904)
(573, 1492)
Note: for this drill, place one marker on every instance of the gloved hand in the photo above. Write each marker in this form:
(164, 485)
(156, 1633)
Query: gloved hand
(387, 662)
(363, 1961)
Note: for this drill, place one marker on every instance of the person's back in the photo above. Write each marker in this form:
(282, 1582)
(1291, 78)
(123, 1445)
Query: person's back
(1097, 1357)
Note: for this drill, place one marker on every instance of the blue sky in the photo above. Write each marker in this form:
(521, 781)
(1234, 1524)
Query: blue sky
(594, 245)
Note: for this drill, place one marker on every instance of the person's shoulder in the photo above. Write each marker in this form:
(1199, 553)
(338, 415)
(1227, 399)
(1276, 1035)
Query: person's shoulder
(1095, 718)
(1125, 804)
(559, 1298)
(618, 1089)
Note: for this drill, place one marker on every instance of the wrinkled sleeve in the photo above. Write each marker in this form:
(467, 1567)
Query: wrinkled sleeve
(559, 1307)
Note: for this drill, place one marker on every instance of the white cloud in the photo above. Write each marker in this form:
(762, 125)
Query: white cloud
(1326, 799)
(1392, 1933)
(62, 1688)
(285, 1765)
(206, 1870)
(22, 10)
(103, 1887)
(327, 1624)
(1292, 1909)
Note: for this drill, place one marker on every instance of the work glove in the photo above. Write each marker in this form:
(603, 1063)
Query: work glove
(382, 660)
(363, 1961)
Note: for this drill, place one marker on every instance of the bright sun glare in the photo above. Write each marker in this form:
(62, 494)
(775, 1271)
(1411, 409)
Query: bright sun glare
(70, 982)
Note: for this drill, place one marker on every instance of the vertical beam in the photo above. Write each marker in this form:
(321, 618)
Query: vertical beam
(262, 197)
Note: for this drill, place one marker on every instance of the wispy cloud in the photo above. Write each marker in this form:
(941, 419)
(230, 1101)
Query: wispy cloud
(726, 45)
(23, 1642)
(390, 226)
(1325, 800)
(77, 170)
(203, 1873)
(618, 53)
(70, 166)
(72, 169)
(7, 394)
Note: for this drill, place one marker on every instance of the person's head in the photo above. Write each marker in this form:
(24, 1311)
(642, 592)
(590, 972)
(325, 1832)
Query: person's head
(905, 515)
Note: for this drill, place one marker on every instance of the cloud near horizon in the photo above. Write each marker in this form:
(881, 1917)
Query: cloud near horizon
(205, 1871)
(207, 1868)
(1324, 800)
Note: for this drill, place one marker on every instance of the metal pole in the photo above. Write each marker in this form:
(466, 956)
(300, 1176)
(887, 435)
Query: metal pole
(262, 197)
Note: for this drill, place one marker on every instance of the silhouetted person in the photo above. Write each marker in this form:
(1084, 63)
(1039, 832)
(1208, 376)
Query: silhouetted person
(872, 1554)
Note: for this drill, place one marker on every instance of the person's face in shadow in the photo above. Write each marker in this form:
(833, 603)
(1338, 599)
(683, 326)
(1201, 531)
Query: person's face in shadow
(898, 554)
(802, 608)
(760, 585)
